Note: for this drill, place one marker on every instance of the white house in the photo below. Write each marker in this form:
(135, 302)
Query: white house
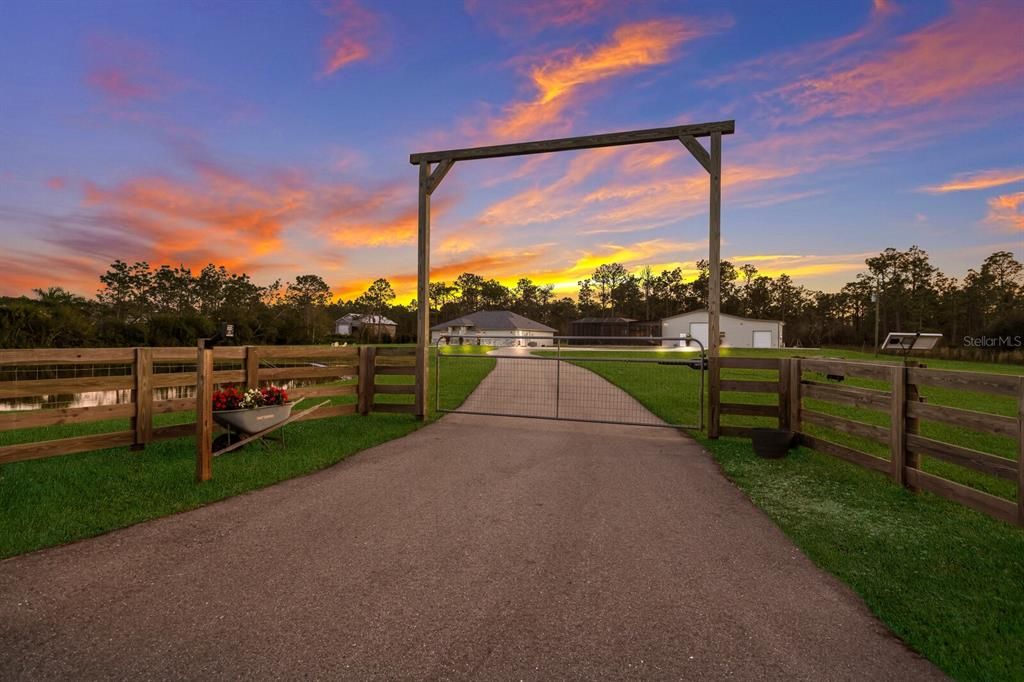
(738, 332)
(493, 328)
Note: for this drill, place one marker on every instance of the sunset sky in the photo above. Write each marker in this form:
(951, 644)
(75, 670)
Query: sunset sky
(274, 137)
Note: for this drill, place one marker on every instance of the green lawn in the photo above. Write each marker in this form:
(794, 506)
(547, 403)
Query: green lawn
(57, 500)
(947, 580)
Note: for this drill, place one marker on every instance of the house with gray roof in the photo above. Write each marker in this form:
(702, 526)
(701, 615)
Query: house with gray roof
(493, 328)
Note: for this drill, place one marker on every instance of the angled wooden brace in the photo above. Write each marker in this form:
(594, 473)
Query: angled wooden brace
(440, 170)
(698, 151)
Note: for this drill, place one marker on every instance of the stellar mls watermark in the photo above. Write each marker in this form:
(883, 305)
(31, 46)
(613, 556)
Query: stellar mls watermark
(1008, 341)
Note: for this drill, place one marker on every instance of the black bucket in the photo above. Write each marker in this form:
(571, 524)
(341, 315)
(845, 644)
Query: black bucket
(771, 443)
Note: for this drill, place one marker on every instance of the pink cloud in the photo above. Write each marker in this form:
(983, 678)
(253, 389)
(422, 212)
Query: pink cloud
(356, 32)
(126, 71)
(976, 49)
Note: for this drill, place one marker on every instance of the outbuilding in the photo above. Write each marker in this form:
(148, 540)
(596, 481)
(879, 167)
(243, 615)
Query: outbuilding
(493, 328)
(611, 330)
(736, 331)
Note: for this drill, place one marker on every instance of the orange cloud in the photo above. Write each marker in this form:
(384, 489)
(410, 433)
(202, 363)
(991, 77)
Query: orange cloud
(218, 217)
(1005, 211)
(804, 266)
(559, 78)
(976, 48)
(56, 182)
(25, 271)
(978, 180)
(357, 28)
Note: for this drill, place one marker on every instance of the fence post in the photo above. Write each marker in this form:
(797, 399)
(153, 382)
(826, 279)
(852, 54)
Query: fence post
(252, 367)
(1020, 453)
(714, 396)
(785, 393)
(204, 412)
(367, 378)
(910, 459)
(898, 426)
(795, 377)
(142, 422)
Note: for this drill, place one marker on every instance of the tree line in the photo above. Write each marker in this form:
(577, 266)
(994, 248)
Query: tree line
(137, 304)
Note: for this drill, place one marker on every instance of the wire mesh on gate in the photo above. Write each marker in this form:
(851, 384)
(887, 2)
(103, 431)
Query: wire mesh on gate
(605, 384)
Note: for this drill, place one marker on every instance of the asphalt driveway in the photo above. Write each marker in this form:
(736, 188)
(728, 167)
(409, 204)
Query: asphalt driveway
(475, 548)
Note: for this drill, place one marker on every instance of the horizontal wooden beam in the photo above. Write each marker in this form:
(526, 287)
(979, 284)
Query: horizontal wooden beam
(968, 419)
(728, 362)
(842, 452)
(997, 507)
(847, 368)
(23, 419)
(971, 459)
(975, 382)
(878, 434)
(65, 446)
(584, 142)
(854, 396)
(743, 386)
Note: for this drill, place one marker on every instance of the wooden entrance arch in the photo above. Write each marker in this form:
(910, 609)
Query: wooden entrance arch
(435, 165)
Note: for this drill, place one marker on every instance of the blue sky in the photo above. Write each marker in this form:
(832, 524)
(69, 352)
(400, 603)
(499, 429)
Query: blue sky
(274, 137)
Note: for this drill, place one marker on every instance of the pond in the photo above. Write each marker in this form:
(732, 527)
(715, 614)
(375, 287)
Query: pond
(117, 397)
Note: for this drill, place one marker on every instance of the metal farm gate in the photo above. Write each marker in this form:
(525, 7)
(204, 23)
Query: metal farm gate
(569, 380)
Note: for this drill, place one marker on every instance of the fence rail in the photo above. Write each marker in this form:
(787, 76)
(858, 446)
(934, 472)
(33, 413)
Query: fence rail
(143, 372)
(903, 408)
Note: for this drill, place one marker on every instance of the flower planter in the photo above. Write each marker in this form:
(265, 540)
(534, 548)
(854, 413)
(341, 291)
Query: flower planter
(253, 420)
(771, 443)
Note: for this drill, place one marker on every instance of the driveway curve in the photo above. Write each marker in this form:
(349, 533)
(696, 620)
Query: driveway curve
(524, 385)
(475, 548)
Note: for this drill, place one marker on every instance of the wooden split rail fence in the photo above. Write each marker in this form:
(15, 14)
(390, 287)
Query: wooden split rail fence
(795, 381)
(141, 375)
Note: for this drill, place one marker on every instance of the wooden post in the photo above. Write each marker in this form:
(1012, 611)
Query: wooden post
(367, 378)
(423, 294)
(1020, 453)
(785, 393)
(143, 420)
(913, 424)
(898, 426)
(795, 394)
(252, 367)
(204, 412)
(715, 285)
